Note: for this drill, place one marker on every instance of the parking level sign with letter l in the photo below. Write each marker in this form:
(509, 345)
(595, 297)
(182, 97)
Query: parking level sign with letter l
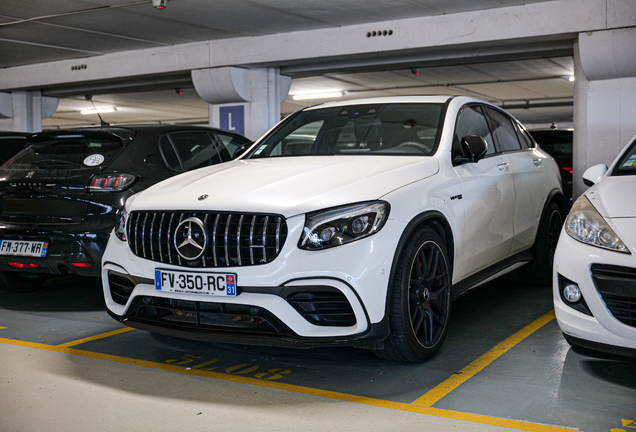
(233, 118)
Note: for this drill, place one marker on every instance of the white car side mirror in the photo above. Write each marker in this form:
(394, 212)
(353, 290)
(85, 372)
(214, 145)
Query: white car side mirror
(593, 174)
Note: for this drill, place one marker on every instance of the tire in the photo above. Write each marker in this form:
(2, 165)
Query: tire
(420, 301)
(539, 271)
(17, 282)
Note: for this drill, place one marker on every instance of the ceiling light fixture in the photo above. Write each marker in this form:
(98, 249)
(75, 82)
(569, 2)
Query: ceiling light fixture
(571, 78)
(317, 96)
(98, 110)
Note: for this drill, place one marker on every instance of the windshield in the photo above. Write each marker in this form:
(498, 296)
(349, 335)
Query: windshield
(627, 164)
(68, 154)
(375, 129)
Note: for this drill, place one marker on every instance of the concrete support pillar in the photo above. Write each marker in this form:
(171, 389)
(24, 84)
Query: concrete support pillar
(604, 98)
(245, 101)
(23, 111)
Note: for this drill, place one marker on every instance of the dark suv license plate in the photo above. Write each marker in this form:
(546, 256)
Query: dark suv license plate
(23, 248)
(216, 284)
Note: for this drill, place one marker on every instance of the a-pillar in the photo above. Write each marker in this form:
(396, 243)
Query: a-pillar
(604, 98)
(245, 101)
(23, 111)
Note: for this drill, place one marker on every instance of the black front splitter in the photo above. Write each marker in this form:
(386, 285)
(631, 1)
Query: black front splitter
(372, 338)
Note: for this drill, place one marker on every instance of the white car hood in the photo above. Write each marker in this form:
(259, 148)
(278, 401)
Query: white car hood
(286, 185)
(614, 196)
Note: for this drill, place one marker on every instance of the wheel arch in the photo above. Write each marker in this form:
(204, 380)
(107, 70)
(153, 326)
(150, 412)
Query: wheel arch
(438, 222)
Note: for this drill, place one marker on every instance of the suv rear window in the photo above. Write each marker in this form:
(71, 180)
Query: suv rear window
(185, 151)
(68, 154)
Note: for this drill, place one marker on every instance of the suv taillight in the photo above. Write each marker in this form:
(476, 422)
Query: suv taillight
(111, 182)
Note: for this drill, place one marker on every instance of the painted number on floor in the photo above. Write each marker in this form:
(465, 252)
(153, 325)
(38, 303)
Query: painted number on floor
(191, 361)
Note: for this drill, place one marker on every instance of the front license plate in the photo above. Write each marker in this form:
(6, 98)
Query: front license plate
(219, 284)
(23, 248)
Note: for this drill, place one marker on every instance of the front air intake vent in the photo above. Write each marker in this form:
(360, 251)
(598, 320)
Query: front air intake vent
(210, 239)
(617, 286)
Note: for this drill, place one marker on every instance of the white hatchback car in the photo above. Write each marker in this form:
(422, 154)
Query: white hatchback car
(595, 263)
(350, 223)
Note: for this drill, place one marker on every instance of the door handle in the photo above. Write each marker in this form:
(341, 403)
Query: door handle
(537, 162)
(503, 166)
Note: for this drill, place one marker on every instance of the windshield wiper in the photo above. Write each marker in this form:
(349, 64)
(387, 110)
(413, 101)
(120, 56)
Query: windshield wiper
(50, 163)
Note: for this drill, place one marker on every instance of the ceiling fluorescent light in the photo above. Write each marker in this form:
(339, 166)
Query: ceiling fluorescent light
(98, 110)
(317, 96)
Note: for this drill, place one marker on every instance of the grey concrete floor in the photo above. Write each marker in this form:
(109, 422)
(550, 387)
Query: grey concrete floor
(133, 381)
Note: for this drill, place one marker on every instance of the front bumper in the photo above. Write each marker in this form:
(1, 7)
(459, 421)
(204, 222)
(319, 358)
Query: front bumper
(574, 260)
(358, 271)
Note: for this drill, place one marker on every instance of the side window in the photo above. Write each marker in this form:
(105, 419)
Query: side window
(185, 151)
(524, 138)
(504, 131)
(231, 142)
(471, 121)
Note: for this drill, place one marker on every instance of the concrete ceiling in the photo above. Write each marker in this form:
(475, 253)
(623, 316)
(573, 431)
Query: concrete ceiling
(35, 31)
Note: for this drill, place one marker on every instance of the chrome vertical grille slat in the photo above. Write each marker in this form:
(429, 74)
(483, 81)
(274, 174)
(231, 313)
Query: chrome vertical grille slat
(278, 234)
(152, 231)
(169, 237)
(205, 223)
(180, 219)
(216, 225)
(265, 239)
(163, 216)
(143, 235)
(252, 239)
(136, 235)
(238, 239)
(226, 244)
(151, 235)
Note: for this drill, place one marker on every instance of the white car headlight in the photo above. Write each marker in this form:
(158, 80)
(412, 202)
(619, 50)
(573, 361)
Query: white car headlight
(337, 226)
(120, 228)
(586, 225)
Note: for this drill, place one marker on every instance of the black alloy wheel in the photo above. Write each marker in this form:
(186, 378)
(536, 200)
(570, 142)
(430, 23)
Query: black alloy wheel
(429, 294)
(420, 299)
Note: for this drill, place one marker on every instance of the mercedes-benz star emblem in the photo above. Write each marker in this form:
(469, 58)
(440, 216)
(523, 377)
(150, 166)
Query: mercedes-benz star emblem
(190, 238)
(202, 197)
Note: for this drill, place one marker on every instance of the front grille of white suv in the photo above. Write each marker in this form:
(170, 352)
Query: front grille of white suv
(233, 239)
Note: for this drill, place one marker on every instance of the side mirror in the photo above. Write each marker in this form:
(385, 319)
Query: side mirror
(240, 150)
(594, 174)
(474, 147)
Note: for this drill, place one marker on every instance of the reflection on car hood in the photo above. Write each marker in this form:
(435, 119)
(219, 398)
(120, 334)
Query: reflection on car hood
(288, 185)
(614, 196)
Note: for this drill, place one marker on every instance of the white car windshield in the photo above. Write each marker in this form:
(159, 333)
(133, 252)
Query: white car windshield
(627, 164)
(375, 129)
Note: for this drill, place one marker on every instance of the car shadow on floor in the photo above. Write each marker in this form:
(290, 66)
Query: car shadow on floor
(480, 320)
(59, 294)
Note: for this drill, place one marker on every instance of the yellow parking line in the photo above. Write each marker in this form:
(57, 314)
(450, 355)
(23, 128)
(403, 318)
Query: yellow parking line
(99, 336)
(2, 327)
(455, 415)
(434, 395)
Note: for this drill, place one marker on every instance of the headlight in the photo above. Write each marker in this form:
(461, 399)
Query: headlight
(586, 225)
(120, 228)
(337, 226)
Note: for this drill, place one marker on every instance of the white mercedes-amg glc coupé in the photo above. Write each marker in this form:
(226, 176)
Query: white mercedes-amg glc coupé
(349, 223)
